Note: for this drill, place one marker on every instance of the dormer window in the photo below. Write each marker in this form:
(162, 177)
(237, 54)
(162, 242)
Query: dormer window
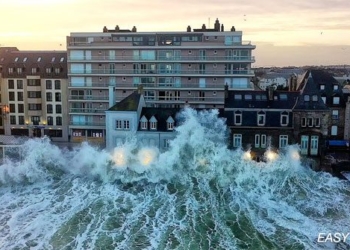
(143, 123)
(284, 118)
(153, 123)
(238, 118)
(335, 87)
(314, 98)
(261, 118)
(170, 123)
(322, 87)
(306, 98)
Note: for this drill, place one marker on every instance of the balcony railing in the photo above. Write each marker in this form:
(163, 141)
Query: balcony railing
(180, 99)
(87, 110)
(163, 72)
(87, 123)
(171, 85)
(164, 58)
(91, 85)
(89, 97)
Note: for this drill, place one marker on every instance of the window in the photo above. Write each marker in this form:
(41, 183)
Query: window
(33, 71)
(58, 109)
(310, 122)
(19, 96)
(238, 97)
(34, 106)
(314, 98)
(324, 99)
(20, 108)
(118, 124)
(303, 122)
(248, 97)
(11, 84)
(12, 119)
(257, 141)
(19, 71)
(35, 120)
(19, 84)
(237, 140)
(283, 141)
(58, 121)
(335, 114)
(12, 108)
(334, 130)
(126, 124)
(48, 84)
(57, 71)
(57, 97)
(322, 87)
(261, 119)
(49, 97)
(34, 94)
(50, 120)
(21, 120)
(317, 122)
(153, 125)
(10, 71)
(238, 118)
(57, 84)
(33, 82)
(11, 96)
(306, 98)
(166, 143)
(49, 109)
(335, 87)
(260, 141)
(284, 119)
(263, 141)
(143, 125)
(336, 100)
(48, 70)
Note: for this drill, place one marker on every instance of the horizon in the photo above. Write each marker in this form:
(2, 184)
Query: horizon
(289, 33)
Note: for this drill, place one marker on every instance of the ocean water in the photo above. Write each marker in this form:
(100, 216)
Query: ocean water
(197, 195)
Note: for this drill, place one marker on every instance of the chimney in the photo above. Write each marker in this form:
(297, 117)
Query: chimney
(140, 89)
(134, 29)
(117, 28)
(222, 27)
(217, 25)
(204, 27)
(188, 28)
(270, 90)
(233, 28)
(105, 29)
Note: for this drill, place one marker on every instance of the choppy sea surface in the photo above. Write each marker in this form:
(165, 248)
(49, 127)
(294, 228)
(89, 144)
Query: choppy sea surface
(196, 195)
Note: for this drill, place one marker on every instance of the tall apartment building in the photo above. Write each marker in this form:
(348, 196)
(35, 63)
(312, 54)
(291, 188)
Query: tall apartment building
(175, 68)
(34, 93)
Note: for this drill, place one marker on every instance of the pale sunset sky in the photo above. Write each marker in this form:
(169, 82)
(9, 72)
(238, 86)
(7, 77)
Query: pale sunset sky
(286, 32)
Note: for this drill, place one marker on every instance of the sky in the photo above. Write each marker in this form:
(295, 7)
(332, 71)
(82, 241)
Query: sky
(285, 32)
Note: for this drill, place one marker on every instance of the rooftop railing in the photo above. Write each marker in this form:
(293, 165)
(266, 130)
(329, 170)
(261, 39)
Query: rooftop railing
(162, 72)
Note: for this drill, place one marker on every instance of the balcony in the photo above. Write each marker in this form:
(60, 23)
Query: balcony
(181, 100)
(195, 85)
(88, 98)
(87, 110)
(87, 123)
(97, 85)
(188, 73)
(184, 59)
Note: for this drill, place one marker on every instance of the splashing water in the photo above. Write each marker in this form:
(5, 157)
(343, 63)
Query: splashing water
(197, 195)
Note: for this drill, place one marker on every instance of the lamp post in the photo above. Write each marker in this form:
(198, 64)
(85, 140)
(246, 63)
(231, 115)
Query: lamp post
(5, 111)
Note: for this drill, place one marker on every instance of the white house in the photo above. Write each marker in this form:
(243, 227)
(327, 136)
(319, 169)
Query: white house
(131, 117)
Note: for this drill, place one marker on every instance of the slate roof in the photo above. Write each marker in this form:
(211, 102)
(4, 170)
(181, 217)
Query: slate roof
(308, 86)
(260, 99)
(161, 114)
(11, 57)
(129, 103)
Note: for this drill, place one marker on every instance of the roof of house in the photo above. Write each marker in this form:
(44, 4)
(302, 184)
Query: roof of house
(161, 114)
(129, 103)
(26, 60)
(260, 100)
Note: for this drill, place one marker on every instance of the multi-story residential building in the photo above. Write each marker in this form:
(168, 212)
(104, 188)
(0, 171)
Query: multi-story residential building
(260, 119)
(175, 68)
(34, 93)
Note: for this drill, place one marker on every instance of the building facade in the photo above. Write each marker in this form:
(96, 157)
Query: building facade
(34, 93)
(175, 68)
